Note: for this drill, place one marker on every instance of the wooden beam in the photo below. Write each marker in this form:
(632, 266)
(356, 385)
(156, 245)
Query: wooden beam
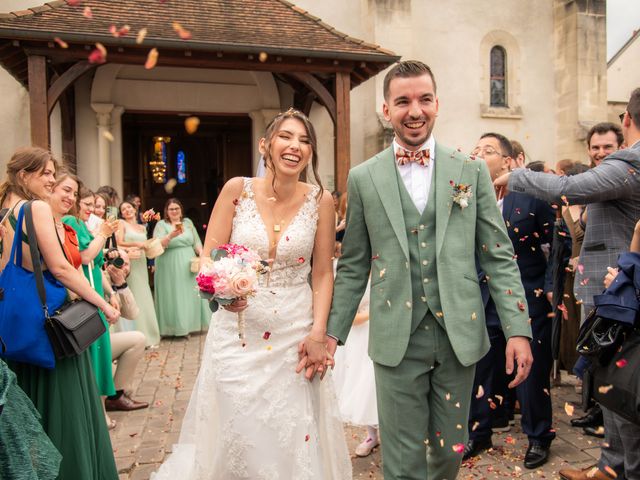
(324, 96)
(68, 127)
(38, 101)
(307, 103)
(65, 80)
(342, 159)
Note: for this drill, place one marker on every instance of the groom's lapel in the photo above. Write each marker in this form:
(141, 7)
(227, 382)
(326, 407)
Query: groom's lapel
(448, 169)
(384, 176)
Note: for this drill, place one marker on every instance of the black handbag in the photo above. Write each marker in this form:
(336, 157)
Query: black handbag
(599, 337)
(75, 325)
(616, 385)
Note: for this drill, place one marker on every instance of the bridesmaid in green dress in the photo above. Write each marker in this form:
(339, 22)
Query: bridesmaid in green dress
(179, 307)
(131, 235)
(92, 261)
(66, 397)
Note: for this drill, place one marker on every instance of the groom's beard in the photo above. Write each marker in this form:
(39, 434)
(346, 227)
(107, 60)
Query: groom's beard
(413, 141)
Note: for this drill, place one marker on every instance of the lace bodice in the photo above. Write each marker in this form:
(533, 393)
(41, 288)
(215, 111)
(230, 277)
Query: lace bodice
(292, 263)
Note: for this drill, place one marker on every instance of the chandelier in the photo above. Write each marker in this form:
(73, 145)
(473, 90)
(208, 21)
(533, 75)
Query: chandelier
(158, 162)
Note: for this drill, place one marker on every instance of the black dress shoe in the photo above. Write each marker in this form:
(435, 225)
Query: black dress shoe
(474, 448)
(537, 455)
(593, 418)
(597, 432)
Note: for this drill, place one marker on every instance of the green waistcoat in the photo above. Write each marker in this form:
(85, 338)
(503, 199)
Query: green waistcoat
(421, 236)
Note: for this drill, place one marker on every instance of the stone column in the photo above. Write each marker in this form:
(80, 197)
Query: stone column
(116, 149)
(103, 116)
(581, 73)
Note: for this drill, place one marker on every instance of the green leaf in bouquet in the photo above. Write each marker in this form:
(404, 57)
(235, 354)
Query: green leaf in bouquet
(219, 253)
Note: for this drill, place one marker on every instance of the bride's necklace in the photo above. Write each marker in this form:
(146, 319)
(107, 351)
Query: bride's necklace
(278, 226)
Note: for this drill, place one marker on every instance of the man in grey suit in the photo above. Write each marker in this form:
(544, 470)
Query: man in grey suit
(612, 192)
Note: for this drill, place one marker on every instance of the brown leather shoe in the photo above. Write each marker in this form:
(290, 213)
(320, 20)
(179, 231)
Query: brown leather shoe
(124, 404)
(590, 473)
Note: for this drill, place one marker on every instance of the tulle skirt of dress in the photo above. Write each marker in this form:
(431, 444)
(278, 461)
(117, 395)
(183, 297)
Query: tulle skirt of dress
(250, 415)
(354, 379)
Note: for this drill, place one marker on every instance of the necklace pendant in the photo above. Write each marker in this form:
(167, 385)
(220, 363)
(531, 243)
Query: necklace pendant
(276, 227)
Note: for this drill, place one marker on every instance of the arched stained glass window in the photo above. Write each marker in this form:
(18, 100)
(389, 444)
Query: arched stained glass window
(181, 164)
(498, 77)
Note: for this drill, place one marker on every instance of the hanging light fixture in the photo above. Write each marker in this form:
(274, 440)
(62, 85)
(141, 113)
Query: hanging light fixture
(158, 162)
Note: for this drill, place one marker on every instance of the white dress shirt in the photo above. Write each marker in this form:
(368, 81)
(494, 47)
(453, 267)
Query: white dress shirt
(417, 178)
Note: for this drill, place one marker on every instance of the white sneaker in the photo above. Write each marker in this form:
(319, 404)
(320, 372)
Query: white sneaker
(366, 447)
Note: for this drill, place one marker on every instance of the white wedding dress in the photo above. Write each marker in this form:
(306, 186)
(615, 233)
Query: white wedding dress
(250, 415)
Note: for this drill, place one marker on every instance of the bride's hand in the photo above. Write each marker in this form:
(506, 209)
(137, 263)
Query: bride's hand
(314, 357)
(238, 305)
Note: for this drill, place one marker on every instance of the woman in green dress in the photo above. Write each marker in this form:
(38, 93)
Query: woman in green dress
(179, 307)
(132, 236)
(66, 397)
(92, 260)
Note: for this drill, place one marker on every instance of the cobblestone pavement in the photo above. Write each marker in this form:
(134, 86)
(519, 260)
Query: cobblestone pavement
(165, 378)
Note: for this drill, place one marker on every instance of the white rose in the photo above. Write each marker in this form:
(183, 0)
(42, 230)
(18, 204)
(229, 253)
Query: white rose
(464, 203)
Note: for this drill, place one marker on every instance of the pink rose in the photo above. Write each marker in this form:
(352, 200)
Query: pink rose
(241, 284)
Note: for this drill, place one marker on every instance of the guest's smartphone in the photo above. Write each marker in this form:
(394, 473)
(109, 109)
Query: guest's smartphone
(112, 213)
(179, 227)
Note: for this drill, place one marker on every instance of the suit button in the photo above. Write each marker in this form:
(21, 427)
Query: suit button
(423, 244)
(425, 262)
(421, 227)
(424, 299)
(408, 304)
(425, 280)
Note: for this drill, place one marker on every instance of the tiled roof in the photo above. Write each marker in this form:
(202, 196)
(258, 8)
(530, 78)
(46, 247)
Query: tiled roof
(273, 26)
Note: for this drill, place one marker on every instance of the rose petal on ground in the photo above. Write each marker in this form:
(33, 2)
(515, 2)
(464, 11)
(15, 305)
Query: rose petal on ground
(568, 408)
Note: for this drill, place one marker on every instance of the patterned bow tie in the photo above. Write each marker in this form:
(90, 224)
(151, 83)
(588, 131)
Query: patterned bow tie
(421, 157)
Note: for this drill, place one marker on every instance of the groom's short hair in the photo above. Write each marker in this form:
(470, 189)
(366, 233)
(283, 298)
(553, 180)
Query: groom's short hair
(406, 69)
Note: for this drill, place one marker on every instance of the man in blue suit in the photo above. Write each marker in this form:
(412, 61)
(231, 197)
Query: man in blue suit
(529, 224)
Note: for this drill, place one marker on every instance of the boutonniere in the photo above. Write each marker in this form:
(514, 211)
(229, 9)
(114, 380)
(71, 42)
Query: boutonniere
(461, 193)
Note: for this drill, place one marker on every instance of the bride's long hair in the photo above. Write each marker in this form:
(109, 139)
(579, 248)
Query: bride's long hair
(273, 127)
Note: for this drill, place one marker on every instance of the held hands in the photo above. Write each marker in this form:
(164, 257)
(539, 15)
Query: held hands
(518, 352)
(610, 276)
(315, 356)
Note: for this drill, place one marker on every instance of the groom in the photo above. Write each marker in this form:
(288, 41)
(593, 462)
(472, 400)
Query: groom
(419, 214)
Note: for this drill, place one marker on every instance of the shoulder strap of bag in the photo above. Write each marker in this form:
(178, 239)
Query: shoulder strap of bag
(35, 257)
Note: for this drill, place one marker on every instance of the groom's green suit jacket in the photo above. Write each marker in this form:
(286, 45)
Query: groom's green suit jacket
(376, 241)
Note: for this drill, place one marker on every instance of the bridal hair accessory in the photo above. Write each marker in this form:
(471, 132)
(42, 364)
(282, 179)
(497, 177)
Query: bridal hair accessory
(461, 193)
(233, 274)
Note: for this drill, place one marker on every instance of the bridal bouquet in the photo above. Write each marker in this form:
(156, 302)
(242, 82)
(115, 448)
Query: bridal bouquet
(232, 274)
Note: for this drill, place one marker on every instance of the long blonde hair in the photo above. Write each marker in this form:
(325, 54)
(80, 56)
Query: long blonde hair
(28, 160)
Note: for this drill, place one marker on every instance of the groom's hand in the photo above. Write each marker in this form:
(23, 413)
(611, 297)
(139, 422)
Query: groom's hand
(518, 352)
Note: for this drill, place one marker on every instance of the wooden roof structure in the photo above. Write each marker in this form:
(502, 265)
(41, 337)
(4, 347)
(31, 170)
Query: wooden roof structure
(47, 48)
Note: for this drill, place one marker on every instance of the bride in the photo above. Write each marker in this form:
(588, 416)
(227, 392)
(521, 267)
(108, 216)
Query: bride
(251, 416)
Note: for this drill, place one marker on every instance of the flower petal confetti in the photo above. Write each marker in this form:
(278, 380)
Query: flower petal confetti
(98, 55)
(152, 59)
(604, 389)
(170, 185)
(568, 409)
(87, 13)
(266, 335)
(191, 124)
(480, 393)
(182, 32)
(108, 135)
(621, 363)
(140, 36)
(458, 447)
(61, 43)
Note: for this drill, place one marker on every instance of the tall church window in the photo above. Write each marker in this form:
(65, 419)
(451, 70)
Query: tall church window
(498, 77)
